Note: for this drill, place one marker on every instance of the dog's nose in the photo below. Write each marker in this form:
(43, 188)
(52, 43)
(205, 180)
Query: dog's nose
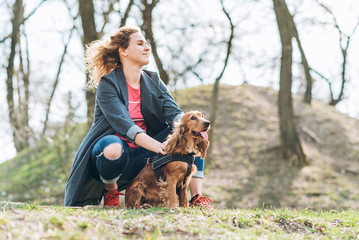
(207, 123)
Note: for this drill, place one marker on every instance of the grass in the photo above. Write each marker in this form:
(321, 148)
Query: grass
(18, 221)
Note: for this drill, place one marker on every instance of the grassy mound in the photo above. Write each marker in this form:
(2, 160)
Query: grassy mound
(247, 170)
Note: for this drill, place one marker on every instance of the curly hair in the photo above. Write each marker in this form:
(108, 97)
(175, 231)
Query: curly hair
(101, 57)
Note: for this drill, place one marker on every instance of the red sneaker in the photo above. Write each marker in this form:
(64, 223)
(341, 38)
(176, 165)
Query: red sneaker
(112, 198)
(200, 201)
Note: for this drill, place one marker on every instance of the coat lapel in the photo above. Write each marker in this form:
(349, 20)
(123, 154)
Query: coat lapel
(122, 85)
(150, 100)
(149, 88)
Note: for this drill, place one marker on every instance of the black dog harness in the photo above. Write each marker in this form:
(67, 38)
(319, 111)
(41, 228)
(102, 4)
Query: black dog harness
(159, 161)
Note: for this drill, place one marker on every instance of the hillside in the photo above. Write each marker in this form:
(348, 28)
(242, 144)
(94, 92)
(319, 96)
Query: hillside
(246, 169)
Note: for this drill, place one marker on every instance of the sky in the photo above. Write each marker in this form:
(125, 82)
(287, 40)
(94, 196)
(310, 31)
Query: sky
(48, 29)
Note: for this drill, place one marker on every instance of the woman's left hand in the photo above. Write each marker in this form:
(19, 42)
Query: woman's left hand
(145, 141)
(162, 148)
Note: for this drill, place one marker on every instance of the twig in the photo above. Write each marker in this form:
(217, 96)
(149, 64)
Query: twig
(312, 135)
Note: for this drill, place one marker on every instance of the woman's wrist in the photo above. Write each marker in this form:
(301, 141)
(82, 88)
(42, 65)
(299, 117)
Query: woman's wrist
(147, 142)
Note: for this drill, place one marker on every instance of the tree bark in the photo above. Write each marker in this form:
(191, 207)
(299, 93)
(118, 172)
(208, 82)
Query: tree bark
(87, 13)
(290, 143)
(147, 27)
(309, 80)
(24, 96)
(18, 115)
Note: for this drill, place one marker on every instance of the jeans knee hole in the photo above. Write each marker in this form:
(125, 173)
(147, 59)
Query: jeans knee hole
(113, 151)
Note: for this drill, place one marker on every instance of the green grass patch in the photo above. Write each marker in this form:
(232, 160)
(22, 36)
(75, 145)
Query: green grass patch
(181, 223)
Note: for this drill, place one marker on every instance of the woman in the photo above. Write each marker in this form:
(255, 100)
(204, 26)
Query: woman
(134, 112)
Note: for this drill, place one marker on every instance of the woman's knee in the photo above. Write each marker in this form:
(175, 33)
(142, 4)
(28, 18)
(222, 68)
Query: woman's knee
(113, 151)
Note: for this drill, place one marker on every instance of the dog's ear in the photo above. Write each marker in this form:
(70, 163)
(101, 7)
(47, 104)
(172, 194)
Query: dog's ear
(181, 138)
(202, 147)
(171, 144)
(181, 129)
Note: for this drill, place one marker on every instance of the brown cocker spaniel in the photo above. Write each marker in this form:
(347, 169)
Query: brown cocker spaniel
(189, 138)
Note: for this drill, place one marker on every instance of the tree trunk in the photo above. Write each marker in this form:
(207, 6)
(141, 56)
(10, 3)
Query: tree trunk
(290, 143)
(147, 27)
(18, 115)
(309, 80)
(87, 13)
(24, 95)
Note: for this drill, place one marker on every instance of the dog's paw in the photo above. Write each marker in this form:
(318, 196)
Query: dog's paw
(146, 205)
(175, 209)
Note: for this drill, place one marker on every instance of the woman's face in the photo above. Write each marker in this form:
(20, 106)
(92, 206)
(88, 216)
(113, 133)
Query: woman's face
(137, 51)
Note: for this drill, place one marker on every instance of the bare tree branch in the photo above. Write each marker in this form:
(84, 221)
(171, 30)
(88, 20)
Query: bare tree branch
(24, 20)
(106, 17)
(344, 50)
(215, 90)
(309, 81)
(326, 79)
(127, 13)
(57, 78)
(33, 11)
(6, 38)
(192, 67)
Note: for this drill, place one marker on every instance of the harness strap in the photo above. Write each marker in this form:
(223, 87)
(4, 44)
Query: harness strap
(161, 160)
(189, 169)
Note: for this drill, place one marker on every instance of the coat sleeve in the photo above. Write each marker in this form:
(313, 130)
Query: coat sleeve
(115, 111)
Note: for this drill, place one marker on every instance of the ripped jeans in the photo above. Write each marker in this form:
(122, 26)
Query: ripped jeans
(125, 168)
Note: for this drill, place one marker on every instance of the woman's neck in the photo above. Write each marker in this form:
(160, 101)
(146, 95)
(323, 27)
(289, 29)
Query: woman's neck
(132, 75)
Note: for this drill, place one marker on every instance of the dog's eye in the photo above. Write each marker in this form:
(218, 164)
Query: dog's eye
(193, 118)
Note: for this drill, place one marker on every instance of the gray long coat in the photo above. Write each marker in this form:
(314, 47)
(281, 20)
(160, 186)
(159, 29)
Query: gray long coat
(111, 116)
